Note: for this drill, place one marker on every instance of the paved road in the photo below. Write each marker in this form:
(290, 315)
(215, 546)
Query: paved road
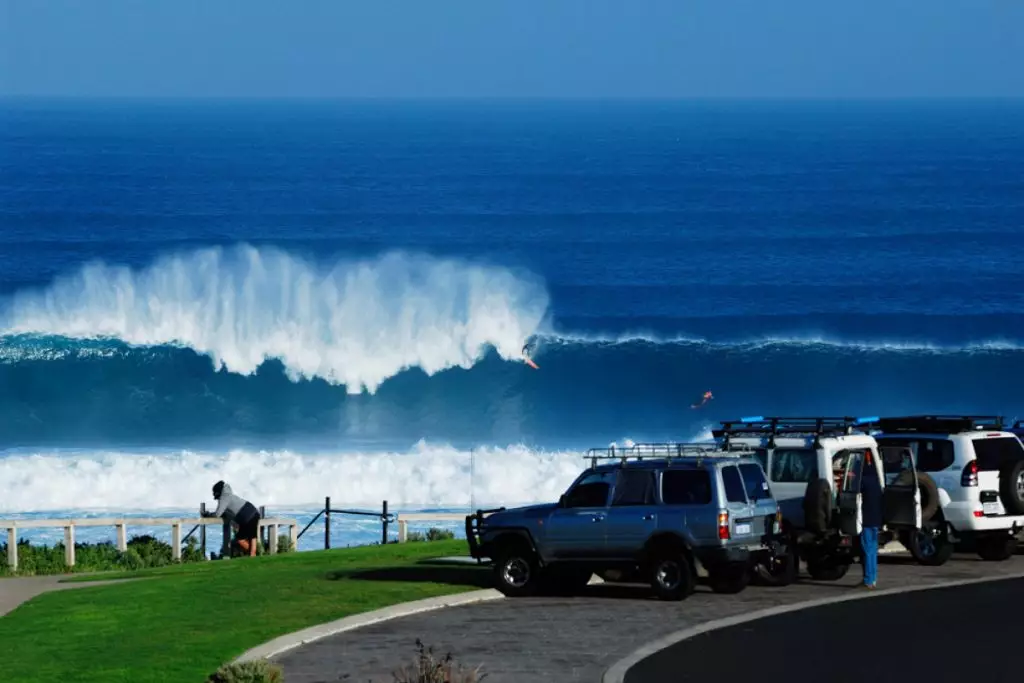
(572, 639)
(899, 635)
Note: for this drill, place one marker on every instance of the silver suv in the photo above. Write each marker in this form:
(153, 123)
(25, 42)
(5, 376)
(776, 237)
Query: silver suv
(651, 511)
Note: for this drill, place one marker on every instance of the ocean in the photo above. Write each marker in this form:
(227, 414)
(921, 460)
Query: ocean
(312, 299)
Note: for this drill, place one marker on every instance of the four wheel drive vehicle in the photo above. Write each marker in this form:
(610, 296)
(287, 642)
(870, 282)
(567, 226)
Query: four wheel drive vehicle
(814, 467)
(972, 469)
(650, 511)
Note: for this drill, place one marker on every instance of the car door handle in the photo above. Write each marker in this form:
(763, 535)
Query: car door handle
(597, 518)
(648, 517)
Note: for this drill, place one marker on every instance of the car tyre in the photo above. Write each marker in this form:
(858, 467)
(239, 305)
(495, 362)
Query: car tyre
(516, 571)
(929, 549)
(729, 579)
(997, 549)
(782, 568)
(1011, 487)
(672, 576)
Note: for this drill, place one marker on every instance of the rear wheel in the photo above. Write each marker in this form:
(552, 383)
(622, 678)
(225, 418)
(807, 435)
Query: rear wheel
(672, 576)
(997, 548)
(729, 579)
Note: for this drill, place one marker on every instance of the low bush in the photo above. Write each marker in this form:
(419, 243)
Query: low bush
(429, 669)
(433, 534)
(142, 552)
(259, 671)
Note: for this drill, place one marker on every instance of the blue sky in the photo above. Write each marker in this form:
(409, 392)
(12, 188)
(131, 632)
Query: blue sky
(500, 48)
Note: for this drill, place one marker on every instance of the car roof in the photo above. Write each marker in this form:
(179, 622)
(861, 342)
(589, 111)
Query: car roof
(734, 458)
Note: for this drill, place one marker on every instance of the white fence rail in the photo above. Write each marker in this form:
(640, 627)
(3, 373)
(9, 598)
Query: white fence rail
(122, 524)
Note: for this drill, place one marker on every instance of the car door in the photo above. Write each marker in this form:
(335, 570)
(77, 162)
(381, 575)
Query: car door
(576, 528)
(901, 497)
(847, 465)
(789, 470)
(633, 515)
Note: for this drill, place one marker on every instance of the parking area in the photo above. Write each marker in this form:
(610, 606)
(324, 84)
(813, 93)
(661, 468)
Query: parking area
(576, 639)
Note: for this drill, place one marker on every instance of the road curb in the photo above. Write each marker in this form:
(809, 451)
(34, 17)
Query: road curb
(296, 639)
(616, 673)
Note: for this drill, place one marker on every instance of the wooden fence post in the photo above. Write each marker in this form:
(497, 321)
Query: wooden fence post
(69, 544)
(176, 541)
(293, 536)
(403, 530)
(122, 537)
(12, 548)
(272, 531)
(327, 523)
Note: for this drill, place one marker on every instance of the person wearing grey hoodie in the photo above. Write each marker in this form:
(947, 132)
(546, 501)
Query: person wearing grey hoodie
(242, 513)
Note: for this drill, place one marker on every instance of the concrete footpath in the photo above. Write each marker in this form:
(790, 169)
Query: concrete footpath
(16, 590)
(577, 639)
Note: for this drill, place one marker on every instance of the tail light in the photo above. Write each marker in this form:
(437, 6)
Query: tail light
(723, 526)
(969, 477)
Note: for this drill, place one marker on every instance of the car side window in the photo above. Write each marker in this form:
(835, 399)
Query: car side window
(686, 487)
(590, 491)
(733, 485)
(794, 465)
(930, 455)
(634, 487)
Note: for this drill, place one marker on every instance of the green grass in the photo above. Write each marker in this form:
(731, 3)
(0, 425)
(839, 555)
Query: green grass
(181, 622)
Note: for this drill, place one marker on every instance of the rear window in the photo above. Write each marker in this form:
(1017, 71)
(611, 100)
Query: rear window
(733, 485)
(930, 455)
(754, 482)
(993, 452)
(794, 465)
(686, 487)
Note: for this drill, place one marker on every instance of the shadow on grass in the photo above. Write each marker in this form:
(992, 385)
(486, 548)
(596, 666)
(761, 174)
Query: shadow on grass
(423, 572)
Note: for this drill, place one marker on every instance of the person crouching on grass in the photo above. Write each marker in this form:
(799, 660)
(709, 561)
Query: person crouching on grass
(242, 514)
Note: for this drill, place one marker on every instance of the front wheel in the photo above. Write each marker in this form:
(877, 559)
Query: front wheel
(516, 572)
(781, 567)
(929, 547)
(672, 576)
(997, 549)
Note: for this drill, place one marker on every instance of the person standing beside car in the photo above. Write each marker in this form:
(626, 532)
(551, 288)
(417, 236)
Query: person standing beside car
(871, 518)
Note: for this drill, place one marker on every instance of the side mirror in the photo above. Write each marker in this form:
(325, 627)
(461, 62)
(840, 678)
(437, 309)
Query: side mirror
(561, 501)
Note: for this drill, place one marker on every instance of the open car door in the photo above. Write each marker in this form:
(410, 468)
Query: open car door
(902, 496)
(846, 471)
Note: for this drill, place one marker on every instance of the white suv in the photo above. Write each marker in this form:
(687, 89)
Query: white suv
(972, 483)
(814, 469)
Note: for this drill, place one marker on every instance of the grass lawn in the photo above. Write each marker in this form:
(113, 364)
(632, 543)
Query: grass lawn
(180, 623)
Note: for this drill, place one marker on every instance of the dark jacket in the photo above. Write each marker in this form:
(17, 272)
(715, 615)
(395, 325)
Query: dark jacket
(870, 497)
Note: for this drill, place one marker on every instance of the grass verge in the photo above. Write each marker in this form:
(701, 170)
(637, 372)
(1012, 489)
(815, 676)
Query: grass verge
(186, 620)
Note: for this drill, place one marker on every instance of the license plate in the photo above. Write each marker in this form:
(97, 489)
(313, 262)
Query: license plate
(990, 508)
(742, 529)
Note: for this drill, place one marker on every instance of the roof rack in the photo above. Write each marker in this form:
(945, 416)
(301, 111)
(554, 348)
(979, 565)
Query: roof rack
(942, 424)
(791, 426)
(665, 451)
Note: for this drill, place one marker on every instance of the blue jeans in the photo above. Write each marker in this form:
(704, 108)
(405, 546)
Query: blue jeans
(869, 546)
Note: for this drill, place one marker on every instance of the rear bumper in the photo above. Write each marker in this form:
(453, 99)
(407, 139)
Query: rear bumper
(732, 555)
(960, 516)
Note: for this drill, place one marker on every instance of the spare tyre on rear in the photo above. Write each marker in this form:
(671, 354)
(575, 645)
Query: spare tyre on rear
(1011, 486)
(818, 506)
(929, 496)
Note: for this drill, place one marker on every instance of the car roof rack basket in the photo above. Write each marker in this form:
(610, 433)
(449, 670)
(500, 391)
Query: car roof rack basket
(772, 427)
(665, 451)
(939, 424)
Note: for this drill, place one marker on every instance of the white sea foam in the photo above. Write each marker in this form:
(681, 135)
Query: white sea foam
(355, 323)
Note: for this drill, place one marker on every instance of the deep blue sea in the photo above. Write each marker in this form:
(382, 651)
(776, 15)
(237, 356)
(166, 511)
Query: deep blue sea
(331, 298)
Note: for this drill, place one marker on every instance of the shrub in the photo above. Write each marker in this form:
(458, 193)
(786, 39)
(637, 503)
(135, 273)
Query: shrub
(143, 551)
(428, 669)
(259, 671)
(433, 534)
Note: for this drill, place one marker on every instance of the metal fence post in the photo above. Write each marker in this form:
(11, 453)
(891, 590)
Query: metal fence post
(327, 523)
(384, 525)
(202, 529)
(225, 547)
(264, 538)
